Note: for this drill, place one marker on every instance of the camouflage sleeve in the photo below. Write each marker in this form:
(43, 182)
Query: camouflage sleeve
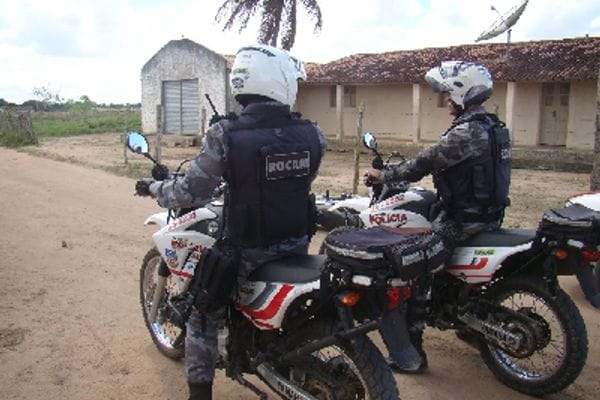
(458, 144)
(201, 178)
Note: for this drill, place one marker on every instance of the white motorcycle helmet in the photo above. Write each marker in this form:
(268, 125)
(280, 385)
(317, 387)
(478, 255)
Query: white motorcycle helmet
(266, 71)
(466, 82)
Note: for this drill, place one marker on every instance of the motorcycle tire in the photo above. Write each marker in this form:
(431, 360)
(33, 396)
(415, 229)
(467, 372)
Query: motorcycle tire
(349, 369)
(559, 355)
(168, 338)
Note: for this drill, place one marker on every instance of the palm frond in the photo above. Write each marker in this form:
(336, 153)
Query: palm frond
(314, 11)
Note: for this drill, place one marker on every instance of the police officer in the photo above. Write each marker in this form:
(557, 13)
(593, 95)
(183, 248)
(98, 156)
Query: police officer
(470, 166)
(269, 157)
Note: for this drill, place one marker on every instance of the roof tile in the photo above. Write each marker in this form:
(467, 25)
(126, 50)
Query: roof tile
(536, 61)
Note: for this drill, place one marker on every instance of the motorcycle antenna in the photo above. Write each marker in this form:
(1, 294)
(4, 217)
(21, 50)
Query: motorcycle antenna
(211, 104)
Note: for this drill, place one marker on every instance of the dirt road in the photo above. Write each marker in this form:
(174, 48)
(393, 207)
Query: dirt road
(71, 242)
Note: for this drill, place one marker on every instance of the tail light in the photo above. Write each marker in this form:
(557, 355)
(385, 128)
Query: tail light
(561, 254)
(349, 298)
(589, 256)
(396, 295)
(393, 298)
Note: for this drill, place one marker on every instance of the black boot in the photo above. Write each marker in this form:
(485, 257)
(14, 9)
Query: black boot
(200, 391)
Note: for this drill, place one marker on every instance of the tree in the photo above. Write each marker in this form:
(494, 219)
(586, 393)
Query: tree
(595, 177)
(278, 18)
(47, 97)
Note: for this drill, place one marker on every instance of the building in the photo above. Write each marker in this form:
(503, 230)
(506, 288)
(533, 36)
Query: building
(545, 91)
(174, 84)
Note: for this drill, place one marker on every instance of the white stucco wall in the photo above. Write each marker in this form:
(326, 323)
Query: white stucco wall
(390, 109)
(179, 60)
(581, 125)
(526, 114)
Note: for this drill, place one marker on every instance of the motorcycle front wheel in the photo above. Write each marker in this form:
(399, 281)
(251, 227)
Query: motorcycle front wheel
(559, 353)
(348, 370)
(168, 338)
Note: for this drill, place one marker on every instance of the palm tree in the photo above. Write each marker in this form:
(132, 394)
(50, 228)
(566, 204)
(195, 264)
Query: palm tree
(278, 18)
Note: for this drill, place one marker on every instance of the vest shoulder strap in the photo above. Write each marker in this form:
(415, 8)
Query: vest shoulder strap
(237, 124)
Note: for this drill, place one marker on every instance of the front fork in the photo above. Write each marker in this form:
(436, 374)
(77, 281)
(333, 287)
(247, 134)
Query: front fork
(159, 291)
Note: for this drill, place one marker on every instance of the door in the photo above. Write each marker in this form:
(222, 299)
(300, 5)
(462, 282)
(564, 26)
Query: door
(555, 113)
(180, 100)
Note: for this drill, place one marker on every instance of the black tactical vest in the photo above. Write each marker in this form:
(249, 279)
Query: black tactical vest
(270, 166)
(480, 184)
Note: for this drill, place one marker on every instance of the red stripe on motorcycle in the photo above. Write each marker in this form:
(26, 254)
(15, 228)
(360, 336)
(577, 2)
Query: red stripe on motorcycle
(262, 324)
(482, 263)
(181, 273)
(272, 307)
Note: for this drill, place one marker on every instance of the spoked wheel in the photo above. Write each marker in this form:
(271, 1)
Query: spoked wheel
(167, 337)
(553, 347)
(348, 370)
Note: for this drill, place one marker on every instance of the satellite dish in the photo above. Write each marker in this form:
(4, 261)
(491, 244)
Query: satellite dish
(504, 23)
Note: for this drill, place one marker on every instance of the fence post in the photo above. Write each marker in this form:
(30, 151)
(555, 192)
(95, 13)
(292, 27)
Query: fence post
(124, 140)
(359, 128)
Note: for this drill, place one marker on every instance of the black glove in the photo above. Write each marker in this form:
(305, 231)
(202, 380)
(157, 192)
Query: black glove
(160, 172)
(142, 187)
(367, 180)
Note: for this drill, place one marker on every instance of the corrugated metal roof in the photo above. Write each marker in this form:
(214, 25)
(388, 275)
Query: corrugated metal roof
(538, 61)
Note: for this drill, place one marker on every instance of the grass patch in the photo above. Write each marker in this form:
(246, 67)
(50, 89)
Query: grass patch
(12, 140)
(60, 124)
(135, 170)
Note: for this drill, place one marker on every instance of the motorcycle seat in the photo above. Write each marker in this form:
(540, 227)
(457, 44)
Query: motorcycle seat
(293, 269)
(500, 238)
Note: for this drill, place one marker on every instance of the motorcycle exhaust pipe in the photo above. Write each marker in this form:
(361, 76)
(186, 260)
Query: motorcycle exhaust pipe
(161, 283)
(279, 384)
(329, 340)
(496, 334)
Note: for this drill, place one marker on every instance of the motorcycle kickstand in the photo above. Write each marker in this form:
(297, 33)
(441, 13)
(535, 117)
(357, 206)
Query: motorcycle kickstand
(242, 381)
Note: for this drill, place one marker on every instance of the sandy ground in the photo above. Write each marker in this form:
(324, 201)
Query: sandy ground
(72, 239)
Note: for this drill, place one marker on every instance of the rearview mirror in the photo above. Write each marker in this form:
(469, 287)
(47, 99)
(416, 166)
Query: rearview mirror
(137, 143)
(369, 141)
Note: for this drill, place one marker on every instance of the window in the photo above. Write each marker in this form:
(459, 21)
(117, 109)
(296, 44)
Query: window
(332, 97)
(548, 94)
(564, 94)
(349, 96)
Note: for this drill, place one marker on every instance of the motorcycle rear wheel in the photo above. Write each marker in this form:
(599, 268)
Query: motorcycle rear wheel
(348, 370)
(562, 353)
(168, 338)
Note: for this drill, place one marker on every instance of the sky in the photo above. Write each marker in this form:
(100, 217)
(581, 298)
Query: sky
(98, 48)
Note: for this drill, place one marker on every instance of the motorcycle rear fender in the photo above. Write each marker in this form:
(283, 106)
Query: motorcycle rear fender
(266, 303)
(480, 264)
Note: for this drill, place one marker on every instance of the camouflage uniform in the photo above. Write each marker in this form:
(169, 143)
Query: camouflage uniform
(194, 190)
(464, 140)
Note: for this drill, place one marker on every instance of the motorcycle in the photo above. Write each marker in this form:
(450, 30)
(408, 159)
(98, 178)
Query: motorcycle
(393, 204)
(589, 278)
(297, 323)
(499, 291)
